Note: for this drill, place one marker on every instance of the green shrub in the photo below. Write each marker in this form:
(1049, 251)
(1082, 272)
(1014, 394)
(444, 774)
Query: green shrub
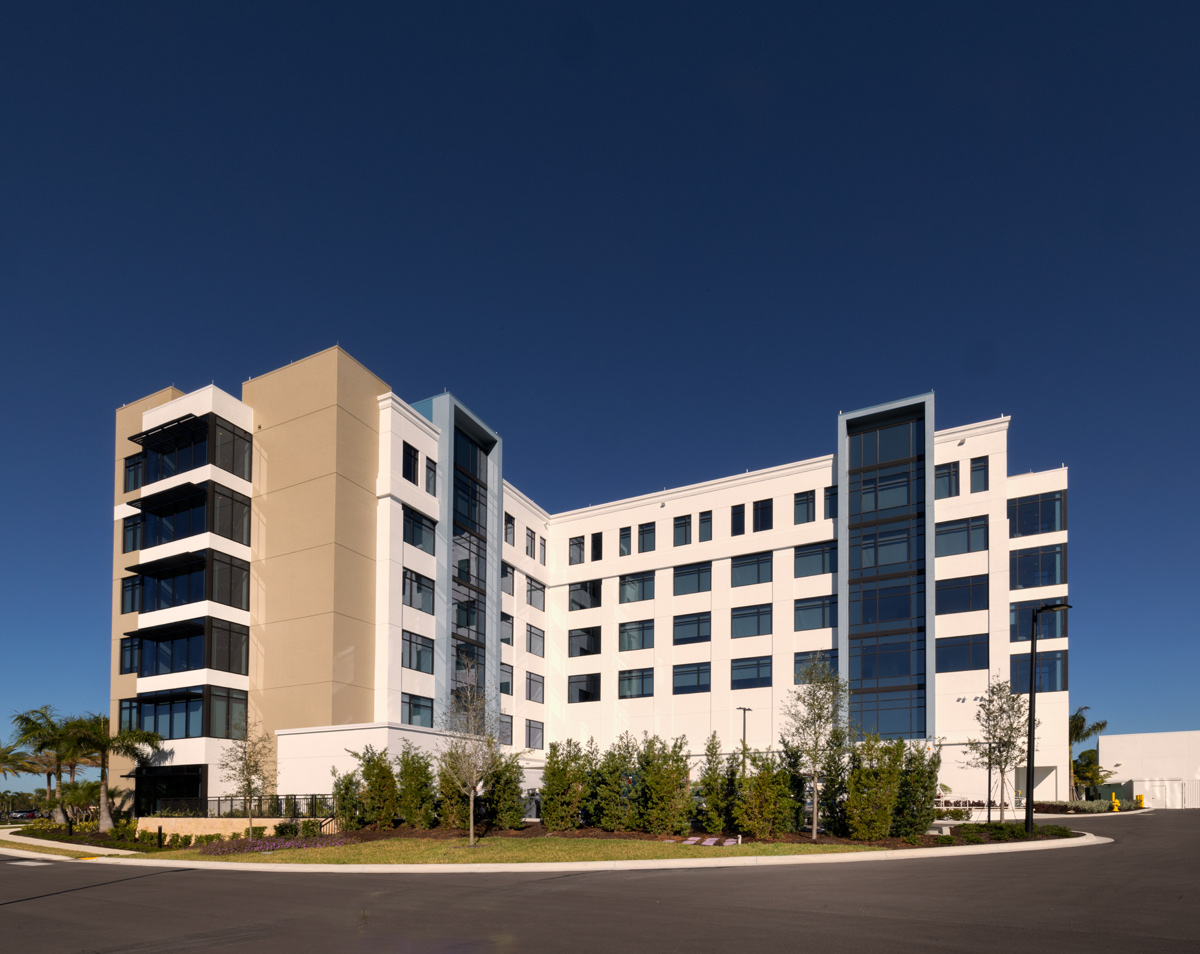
(1055, 831)
(874, 780)
(416, 805)
(258, 831)
(916, 793)
(235, 836)
(379, 794)
(452, 805)
(713, 790)
(147, 837)
(206, 839)
(504, 801)
(310, 827)
(972, 839)
(185, 841)
(914, 839)
(660, 796)
(955, 814)
(287, 829)
(970, 829)
(173, 840)
(943, 840)
(835, 784)
(564, 784)
(610, 789)
(763, 806)
(347, 800)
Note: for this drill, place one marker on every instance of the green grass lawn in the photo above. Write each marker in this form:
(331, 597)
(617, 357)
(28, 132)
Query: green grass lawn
(47, 849)
(399, 851)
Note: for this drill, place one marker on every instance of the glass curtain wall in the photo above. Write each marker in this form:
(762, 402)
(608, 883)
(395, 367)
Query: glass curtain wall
(468, 588)
(886, 456)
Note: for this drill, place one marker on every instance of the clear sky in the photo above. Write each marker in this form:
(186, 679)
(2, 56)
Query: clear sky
(650, 244)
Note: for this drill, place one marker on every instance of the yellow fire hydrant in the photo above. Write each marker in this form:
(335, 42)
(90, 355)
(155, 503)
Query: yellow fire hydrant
(1116, 805)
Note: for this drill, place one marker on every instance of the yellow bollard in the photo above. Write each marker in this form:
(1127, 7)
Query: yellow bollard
(1116, 805)
(1141, 800)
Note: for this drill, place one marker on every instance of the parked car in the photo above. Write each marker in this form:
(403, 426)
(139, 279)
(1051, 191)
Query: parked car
(23, 813)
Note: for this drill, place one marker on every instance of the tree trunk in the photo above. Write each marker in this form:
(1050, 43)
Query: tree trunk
(816, 804)
(1001, 798)
(471, 818)
(249, 819)
(60, 815)
(106, 821)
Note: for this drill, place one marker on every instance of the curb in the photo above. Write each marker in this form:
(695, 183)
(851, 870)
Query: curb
(581, 867)
(6, 834)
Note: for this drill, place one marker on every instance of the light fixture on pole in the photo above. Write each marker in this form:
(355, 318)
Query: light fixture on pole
(1029, 756)
(744, 710)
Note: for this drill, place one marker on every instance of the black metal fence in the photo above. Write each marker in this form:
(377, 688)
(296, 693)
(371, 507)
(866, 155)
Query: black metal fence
(234, 806)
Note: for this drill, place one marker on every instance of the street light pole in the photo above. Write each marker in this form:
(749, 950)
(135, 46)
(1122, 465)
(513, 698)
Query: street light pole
(1033, 635)
(744, 710)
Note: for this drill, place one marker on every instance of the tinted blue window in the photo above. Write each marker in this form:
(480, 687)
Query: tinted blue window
(750, 569)
(695, 578)
(817, 613)
(693, 628)
(751, 621)
(1051, 672)
(751, 673)
(694, 677)
(960, 653)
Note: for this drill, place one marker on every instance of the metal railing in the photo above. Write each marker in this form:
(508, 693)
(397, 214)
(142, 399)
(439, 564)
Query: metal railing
(235, 806)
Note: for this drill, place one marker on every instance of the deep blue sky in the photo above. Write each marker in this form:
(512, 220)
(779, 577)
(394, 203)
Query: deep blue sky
(649, 245)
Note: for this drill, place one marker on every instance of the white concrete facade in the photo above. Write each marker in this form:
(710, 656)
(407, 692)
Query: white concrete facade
(531, 551)
(1162, 767)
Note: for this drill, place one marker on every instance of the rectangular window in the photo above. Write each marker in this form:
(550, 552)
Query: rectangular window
(636, 635)
(233, 449)
(750, 673)
(131, 594)
(816, 559)
(1051, 672)
(693, 578)
(418, 591)
(506, 629)
(542, 550)
(506, 679)
(636, 587)
(750, 621)
(535, 593)
(817, 613)
(804, 662)
(231, 515)
(979, 474)
(960, 653)
(597, 546)
(1020, 621)
(506, 578)
(530, 544)
(831, 503)
(693, 628)
(635, 683)
(705, 526)
(584, 642)
(804, 506)
(230, 648)
(418, 530)
(535, 640)
(416, 710)
(1039, 513)
(231, 581)
(505, 729)
(416, 652)
(1037, 566)
(750, 569)
(430, 476)
(624, 541)
(510, 530)
(945, 481)
(764, 515)
(132, 535)
(584, 595)
(535, 687)
(131, 655)
(227, 716)
(962, 595)
(645, 537)
(534, 732)
(694, 677)
(411, 461)
(584, 688)
(961, 536)
(737, 520)
(575, 551)
(683, 530)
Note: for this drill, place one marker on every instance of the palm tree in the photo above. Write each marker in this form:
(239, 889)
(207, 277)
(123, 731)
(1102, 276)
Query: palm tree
(13, 761)
(93, 736)
(1080, 730)
(46, 735)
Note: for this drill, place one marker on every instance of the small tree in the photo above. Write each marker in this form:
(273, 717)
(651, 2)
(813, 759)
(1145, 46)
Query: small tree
(714, 806)
(380, 795)
(874, 783)
(1003, 718)
(564, 784)
(414, 777)
(504, 805)
(813, 715)
(248, 764)
(51, 745)
(1088, 772)
(660, 793)
(470, 751)
(347, 799)
(763, 806)
(610, 799)
(916, 798)
(92, 733)
(1080, 730)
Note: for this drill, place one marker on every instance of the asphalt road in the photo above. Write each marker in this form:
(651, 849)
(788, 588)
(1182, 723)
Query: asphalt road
(1140, 894)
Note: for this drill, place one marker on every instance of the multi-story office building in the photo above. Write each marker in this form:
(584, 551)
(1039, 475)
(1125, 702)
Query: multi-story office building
(327, 561)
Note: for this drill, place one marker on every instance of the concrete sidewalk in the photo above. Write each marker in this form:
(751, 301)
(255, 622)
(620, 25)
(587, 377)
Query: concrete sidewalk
(7, 835)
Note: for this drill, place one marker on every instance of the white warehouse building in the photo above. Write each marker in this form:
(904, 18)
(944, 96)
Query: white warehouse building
(319, 555)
